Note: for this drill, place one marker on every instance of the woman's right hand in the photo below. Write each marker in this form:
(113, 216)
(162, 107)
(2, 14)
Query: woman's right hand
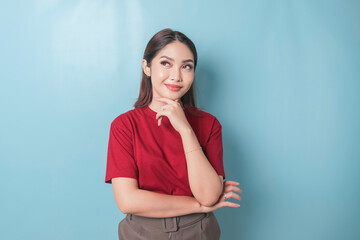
(228, 187)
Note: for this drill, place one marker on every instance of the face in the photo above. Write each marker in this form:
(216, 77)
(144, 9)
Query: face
(171, 71)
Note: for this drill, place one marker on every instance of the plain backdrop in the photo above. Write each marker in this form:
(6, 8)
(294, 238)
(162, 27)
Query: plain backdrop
(281, 76)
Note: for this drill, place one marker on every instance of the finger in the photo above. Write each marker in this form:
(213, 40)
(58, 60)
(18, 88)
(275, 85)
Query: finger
(228, 182)
(232, 195)
(160, 114)
(232, 188)
(222, 204)
(228, 204)
(232, 204)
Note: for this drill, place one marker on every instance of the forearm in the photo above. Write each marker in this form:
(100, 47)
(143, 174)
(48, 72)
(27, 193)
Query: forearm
(204, 181)
(157, 205)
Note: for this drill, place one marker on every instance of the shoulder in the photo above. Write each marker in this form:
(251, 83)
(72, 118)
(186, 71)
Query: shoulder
(126, 118)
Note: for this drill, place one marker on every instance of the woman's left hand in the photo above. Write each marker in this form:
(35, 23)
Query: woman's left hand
(173, 110)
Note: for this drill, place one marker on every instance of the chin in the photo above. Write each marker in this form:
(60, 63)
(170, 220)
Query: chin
(173, 96)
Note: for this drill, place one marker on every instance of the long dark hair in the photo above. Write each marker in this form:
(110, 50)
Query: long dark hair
(156, 43)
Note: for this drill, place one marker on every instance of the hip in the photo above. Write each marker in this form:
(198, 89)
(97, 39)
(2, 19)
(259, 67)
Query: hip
(192, 226)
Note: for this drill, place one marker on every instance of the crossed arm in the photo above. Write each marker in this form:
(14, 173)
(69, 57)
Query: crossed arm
(206, 186)
(130, 199)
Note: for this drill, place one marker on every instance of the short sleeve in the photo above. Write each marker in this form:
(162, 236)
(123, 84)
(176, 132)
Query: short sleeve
(120, 156)
(214, 148)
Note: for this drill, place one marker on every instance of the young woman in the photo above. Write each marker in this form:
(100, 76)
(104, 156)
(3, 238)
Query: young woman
(165, 156)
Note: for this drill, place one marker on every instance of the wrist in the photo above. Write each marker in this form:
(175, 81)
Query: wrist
(186, 131)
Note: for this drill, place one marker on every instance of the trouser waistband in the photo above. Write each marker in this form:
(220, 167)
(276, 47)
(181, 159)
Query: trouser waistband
(170, 224)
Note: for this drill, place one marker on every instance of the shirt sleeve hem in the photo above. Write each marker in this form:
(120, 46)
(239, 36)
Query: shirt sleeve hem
(108, 179)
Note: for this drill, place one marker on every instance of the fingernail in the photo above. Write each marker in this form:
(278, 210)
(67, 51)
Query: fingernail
(238, 205)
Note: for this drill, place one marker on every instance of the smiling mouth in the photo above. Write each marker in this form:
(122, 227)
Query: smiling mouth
(173, 88)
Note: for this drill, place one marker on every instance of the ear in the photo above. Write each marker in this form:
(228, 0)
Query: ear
(146, 69)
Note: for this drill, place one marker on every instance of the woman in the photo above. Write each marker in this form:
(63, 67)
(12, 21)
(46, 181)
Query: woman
(165, 156)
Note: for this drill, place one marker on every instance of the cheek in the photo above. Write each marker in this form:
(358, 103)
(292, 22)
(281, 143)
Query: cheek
(159, 73)
(162, 74)
(189, 79)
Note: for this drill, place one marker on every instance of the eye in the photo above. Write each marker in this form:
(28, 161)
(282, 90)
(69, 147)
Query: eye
(164, 62)
(190, 66)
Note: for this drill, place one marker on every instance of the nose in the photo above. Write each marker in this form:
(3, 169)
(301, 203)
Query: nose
(176, 75)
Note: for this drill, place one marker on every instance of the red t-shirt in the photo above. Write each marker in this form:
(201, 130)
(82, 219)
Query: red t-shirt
(154, 155)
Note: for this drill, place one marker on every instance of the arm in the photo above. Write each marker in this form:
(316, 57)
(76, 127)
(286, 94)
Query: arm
(130, 199)
(204, 181)
(206, 185)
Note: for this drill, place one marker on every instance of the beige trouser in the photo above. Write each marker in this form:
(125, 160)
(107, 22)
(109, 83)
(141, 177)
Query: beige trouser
(199, 226)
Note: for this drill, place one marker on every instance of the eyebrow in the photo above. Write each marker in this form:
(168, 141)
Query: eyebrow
(188, 60)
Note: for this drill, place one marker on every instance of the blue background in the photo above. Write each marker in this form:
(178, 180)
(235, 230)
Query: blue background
(281, 76)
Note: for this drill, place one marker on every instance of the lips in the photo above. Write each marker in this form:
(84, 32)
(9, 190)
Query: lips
(173, 87)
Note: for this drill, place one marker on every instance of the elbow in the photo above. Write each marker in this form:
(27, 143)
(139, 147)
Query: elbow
(210, 200)
(123, 206)
(126, 205)
(208, 203)
(123, 209)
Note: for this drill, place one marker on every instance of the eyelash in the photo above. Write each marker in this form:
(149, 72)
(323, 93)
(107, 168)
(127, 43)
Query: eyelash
(191, 67)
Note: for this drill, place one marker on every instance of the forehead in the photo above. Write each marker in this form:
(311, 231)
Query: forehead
(177, 51)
